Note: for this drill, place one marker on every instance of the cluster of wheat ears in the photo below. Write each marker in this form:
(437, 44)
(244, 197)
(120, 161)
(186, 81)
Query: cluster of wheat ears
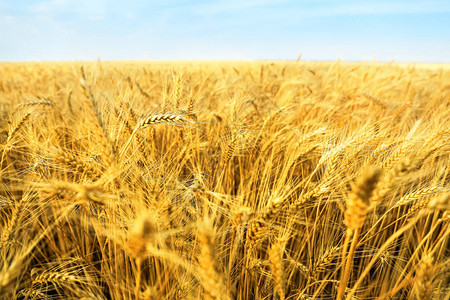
(233, 180)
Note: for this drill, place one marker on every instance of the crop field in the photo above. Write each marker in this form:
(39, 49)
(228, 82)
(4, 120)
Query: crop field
(224, 180)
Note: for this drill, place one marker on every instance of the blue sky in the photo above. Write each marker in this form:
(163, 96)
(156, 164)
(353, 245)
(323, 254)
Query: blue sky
(417, 31)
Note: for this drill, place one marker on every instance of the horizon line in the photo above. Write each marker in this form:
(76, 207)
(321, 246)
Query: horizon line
(394, 61)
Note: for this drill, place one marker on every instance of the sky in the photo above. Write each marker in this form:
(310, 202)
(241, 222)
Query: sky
(70, 30)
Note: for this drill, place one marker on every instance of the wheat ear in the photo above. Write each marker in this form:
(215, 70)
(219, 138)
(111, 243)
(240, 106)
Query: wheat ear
(424, 286)
(357, 207)
(276, 267)
(153, 120)
(43, 102)
(16, 126)
(210, 279)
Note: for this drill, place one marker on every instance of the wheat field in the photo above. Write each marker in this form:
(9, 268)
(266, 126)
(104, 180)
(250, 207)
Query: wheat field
(224, 180)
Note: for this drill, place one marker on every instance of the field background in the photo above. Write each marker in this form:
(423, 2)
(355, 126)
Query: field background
(224, 180)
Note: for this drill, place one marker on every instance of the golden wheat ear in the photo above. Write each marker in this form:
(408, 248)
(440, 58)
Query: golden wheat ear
(276, 267)
(211, 280)
(358, 205)
(162, 118)
(424, 287)
(17, 125)
(154, 120)
(38, 102)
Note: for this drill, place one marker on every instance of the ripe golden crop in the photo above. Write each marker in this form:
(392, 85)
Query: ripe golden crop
(225, 180)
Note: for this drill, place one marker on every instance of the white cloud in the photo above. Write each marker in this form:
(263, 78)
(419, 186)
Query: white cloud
(93, 10)
(380, 7)
(314, 9)
(49, 6)
(223, 6)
